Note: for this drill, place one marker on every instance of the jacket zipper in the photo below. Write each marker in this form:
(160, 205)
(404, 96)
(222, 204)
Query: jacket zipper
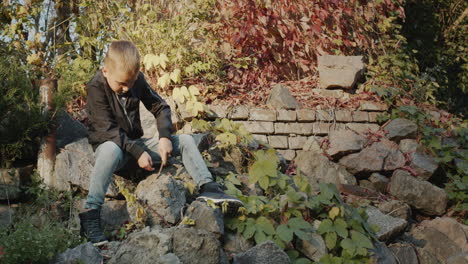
(125, 111)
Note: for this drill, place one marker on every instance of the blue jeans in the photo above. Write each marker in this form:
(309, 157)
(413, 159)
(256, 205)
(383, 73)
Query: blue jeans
(110, 158)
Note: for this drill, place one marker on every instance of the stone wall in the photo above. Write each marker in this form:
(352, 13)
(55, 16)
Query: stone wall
(288, 130)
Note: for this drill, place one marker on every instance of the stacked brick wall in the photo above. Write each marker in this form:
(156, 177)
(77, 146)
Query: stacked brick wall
(288, 130)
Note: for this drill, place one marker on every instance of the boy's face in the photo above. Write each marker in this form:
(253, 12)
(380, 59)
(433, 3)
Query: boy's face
(119, 81)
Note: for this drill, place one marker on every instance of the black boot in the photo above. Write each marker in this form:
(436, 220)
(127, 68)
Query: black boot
(90, 227)
(214, 192)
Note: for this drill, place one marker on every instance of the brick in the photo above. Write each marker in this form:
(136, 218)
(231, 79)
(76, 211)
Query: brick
(278, 142)
(305, 115)
(321, 128)
(258, 114)
(297, 142)
(294, 128)
(219, 111)
(258, 127)
(288, 154)
(373, 116)
(325, 115)
(239, 113)
(360, 128)
(373, 106)
(260, 138)
(343, 115)
(360, 116)
(286, 115)
(329, 93)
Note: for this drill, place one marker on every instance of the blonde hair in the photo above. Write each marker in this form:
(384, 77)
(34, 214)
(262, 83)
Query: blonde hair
(122, 55)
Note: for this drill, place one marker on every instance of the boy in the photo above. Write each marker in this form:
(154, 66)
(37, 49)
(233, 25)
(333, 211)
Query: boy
(115, 131)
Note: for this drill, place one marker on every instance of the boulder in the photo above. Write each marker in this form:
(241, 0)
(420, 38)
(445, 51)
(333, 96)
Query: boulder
(454, 230)
(408, 145)
(381, 254)
(395, 208)
(314, 248)
(196, 246)
(265, 253)
(461, 258)
(404, 253)
(380, 156)
(145, 246)
(236, 243)
(389, 225)
(344, 142)
(113, 214)
(73, 165)
(84, 253)
(401, 128)
(206, 218)
(163, 196)
(422, 195)
(436, 242)
(319, 168)
(376, 182)
(6, 216)
(424, 165)
(69, 130)
(312, 144)
(340, 71)
(281, 98)
(11, 181)
(426, 257)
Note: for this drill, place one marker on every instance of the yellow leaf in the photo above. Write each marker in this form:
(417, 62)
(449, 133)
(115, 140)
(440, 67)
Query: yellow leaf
(33, 59)
(190, 186)
(334, 212)
(187, 221)
(194, 90)
(162, 60)
(175, 76)
(164, 80)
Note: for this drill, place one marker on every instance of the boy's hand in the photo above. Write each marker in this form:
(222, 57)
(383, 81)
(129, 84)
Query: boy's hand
(145, 162)
(165, 149)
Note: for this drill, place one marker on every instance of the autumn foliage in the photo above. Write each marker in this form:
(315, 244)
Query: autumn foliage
(280, 40)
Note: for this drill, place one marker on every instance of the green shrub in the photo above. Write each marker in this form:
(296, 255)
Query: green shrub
(26, 243)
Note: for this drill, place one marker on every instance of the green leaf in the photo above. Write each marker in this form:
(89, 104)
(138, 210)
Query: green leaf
(325, 227)
(249, 231)
(361, 240)
(341, 227)
(302, 235)
(260, 237)
(285, 233)
(265, 225)
(264, 182)
(302, 261)
(299, 223)
(334, 212)
(330, 240)
(348, 245)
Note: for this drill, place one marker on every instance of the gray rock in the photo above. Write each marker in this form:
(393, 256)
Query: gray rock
(281, 98)
(312, 144)
(12, 179)
(382, 255)
(84, 253)
(408, 145)
(145, 246)
(389, 226)
(170, 258)
(425, 257)
(344, 142)
(461, 258)
(451, 228)
(148, 122)
(313, 248)
(437, 243)
(163, 196)
(196, 246)
(265, 253)
(206, 218)
(236, 243)
(380, 156)
(376, 182)
(69, 130)
(73, 165)
(113, 214)
(420, 194)
(424, 165)
(340, 71)
(401, 128)
(319, 168)
(395, 208)
(404, 253)
(6, 216)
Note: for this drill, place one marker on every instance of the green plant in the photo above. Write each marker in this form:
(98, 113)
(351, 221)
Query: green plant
(26, 243)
